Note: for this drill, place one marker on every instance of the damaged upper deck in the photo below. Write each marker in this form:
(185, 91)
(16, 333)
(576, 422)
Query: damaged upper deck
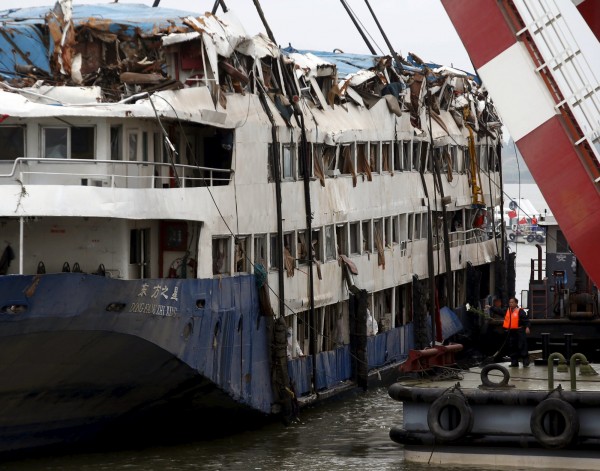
(122, 53)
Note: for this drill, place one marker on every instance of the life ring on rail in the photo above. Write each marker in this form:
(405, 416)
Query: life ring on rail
(554, 423)
(450, 417)
(487, 382)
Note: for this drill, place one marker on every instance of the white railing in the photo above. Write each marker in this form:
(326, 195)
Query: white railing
(109, 173)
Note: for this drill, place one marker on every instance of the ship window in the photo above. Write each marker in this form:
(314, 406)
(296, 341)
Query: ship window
(427, 164)
(354, 238)
(341, 232)
(345, 162)
(302, 248)
(318, 168)
(55, 142)
(83, 142)
(454, 158)
(68, 142)
(362, 162)
(410, 226)
(395, 233)
(330, 243)
(406, 157)
(220, 255)
(316, 244)
(274, 252)
(260, 249)
(374, 157)
(12, 142)
(417, 226)
(398, 156)
(329, 158)
(132, 143)
(378, 232)
(367, 246)
(386, 157)
(424, 225)
(242, 254)
(145, 146)
(116, 142)
(416, 155)
(289, 252)
(388, 231)
(289, 161)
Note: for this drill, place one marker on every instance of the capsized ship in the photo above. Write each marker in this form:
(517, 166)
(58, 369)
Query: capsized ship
(195, 220)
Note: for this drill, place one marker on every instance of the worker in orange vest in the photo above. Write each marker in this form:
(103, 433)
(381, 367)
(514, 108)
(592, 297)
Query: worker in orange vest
(516, 323)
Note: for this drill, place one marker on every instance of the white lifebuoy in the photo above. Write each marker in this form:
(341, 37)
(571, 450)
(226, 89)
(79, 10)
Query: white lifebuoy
(554, 423)
(449, 417)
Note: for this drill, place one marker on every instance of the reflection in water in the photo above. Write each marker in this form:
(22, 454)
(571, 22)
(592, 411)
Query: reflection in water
(349, 434)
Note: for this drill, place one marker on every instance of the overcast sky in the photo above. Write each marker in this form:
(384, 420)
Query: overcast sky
(418, 26)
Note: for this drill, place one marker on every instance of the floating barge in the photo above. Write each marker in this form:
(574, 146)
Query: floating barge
(536, 417)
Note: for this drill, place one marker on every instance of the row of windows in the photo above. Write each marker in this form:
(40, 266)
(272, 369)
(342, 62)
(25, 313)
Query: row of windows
(377, 157)
(326, 243)
(78, 142)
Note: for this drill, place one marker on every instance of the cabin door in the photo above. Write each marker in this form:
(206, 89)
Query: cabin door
(140, 253)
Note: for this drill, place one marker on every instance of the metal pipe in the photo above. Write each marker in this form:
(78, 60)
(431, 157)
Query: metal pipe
(561, 361)
(360, 31)
(264, 21)
(385, 38)
(21, 228)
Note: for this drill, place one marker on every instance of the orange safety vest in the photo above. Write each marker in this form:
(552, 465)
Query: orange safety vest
(511, 319)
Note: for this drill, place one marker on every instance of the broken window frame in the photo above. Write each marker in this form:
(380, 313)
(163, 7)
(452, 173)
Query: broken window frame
(260, 254)
(301, 248)
(329, 158)
(367, 236)
(221, 247)
(242, 254)
(345, 151)
(6, 154)
(330, 243)
(317, 244)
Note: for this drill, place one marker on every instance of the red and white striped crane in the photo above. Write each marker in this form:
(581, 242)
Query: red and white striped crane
(541, 81)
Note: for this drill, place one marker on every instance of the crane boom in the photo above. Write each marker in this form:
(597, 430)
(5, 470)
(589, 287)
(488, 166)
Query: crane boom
(549, 99)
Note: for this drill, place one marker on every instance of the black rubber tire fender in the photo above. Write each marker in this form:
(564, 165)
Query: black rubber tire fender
(465, 423)
(486, 381)
(530, 238)
(511, 236)
(539, 238)
(569, 415)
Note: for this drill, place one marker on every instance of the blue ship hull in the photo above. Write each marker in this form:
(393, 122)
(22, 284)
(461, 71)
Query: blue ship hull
(78, 351)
